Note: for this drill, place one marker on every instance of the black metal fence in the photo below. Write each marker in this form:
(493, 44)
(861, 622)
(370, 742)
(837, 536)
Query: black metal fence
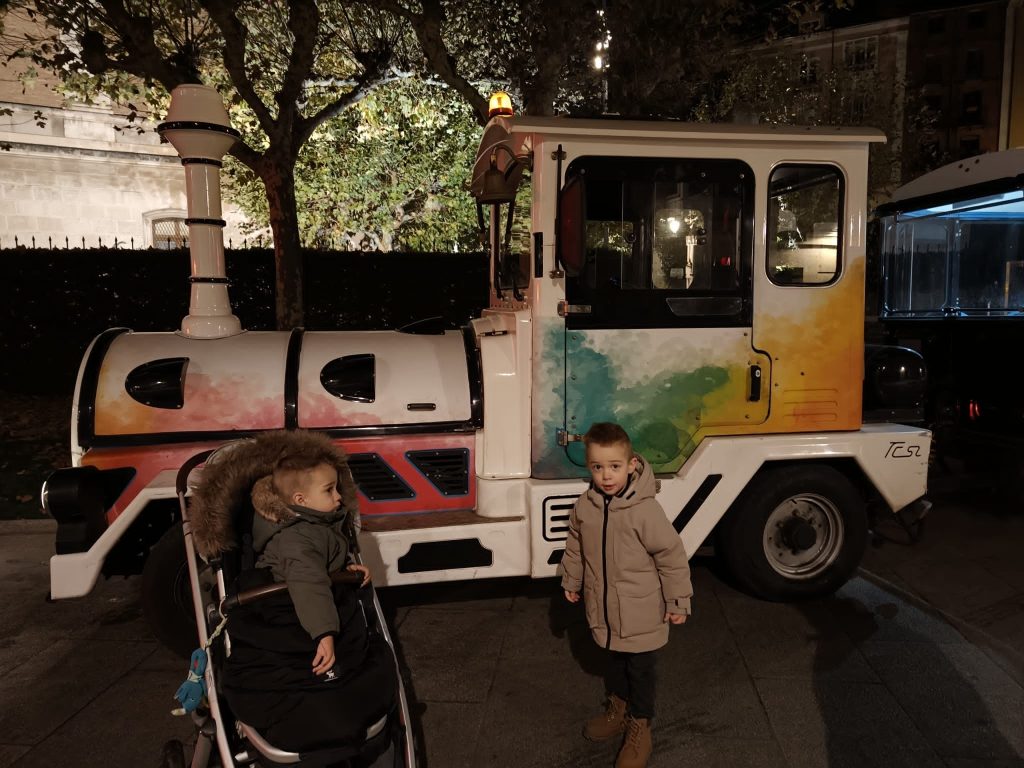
(57, 300)
(82, 242)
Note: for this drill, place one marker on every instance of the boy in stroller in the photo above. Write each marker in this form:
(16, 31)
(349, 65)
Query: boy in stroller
(301, 666)
(299, 536)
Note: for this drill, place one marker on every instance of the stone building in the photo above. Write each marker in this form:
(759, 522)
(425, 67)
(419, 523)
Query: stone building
(858, 73)
(943, 80)
(956, 66)
(68, 175)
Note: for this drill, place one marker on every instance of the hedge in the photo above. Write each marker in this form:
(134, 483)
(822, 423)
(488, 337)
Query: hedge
(58, 300)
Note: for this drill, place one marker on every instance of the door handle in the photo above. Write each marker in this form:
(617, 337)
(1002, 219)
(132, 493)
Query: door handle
(755, 383)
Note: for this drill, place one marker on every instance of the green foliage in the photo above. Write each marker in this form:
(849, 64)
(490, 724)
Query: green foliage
(785, 89)
(391, 172)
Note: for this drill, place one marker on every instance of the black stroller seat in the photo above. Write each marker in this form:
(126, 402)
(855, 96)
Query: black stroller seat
(266, 676)
(265, 705)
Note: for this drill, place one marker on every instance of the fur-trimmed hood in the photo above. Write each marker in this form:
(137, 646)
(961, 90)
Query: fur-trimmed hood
(232, 476)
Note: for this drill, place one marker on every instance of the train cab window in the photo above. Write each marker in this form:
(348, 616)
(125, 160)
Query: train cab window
(652, 243)
(805, 209)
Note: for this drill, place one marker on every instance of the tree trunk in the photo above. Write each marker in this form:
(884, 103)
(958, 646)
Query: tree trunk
(279, 179)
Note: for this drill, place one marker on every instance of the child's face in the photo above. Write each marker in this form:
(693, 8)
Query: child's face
(610, 466)
(320, 491)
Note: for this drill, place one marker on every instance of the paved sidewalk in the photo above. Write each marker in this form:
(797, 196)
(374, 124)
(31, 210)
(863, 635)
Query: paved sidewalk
(502, 673)
(968, 566)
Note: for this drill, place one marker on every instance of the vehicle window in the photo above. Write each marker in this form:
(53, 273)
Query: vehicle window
(805, 206)
(958, 258)
(514, 269)
(664, 242)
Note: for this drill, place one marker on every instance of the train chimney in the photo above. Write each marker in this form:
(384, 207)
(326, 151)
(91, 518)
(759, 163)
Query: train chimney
(197, 126)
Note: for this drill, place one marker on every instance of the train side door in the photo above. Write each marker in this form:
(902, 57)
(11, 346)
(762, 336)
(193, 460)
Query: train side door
(658, 312)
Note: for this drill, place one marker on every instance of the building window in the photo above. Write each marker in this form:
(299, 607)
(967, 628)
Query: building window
(936, 25)
(933, 69)
(861, 55)
(976, 20)
(809, 71)
(170, 233)
(970, 146)
(971, 112)
(974, 64)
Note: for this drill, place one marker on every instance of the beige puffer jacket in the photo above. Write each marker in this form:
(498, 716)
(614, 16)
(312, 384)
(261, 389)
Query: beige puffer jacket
(630, 564)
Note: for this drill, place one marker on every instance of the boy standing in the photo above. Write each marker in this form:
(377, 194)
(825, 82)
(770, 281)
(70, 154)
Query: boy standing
(629, 561)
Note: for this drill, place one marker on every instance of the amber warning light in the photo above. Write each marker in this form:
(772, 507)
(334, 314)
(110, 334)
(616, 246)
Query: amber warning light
(500, 105)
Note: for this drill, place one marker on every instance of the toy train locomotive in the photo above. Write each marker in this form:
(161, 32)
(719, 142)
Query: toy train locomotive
(703, 285)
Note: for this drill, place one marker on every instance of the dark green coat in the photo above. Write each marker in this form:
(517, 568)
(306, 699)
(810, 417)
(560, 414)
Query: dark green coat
(300, 547)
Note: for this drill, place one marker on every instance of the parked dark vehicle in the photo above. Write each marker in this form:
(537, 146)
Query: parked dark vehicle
(952, 286)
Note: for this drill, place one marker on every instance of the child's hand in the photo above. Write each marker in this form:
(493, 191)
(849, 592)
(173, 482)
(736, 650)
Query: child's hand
(363, 570)
(572, 597)
(675, 618)
(324, 658)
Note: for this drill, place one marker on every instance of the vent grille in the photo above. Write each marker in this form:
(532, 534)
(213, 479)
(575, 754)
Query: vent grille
(447, 470)
(556, 511)
(376, 479)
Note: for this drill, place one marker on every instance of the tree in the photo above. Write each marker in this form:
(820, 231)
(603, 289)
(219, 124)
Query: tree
(786, 89)
(285, 67)
(656, 54)
(390, 173)
(536, 49)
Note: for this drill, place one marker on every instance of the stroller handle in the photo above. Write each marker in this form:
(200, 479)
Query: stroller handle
(181, 480)
(247, 596)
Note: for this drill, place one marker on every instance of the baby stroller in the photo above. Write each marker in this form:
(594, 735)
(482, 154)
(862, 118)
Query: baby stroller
(229, 598)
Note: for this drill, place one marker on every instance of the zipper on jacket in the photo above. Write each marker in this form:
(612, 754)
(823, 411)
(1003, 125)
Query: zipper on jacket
(604, 572)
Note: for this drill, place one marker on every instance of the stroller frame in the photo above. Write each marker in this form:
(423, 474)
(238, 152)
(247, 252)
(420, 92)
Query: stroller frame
(210, 725)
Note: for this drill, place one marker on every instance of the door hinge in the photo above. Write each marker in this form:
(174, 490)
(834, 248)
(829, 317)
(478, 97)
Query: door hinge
(564, 438)
(565, 309)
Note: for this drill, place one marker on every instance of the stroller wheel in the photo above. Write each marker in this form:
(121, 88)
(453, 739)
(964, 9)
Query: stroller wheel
(173, 755)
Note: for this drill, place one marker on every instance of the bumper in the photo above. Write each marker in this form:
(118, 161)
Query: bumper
(76, 567)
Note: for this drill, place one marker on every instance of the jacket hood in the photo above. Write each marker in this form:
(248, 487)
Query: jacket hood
(276, 515)
(240, 471)
(642, 485)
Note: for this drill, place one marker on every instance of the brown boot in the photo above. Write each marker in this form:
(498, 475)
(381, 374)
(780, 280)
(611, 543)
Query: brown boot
(636, 749)
(609, 723)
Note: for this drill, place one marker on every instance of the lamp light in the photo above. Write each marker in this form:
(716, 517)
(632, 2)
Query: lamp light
(500, 105)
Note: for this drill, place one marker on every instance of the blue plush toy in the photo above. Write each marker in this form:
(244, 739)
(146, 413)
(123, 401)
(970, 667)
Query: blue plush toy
(191, 692)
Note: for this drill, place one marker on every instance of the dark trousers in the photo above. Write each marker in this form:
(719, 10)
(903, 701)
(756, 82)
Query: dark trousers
(631, 677)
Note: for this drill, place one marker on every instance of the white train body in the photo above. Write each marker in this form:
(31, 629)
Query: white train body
(465, 442)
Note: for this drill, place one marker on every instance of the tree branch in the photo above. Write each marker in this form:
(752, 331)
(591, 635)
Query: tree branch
(246, 155)
(303, 23)
(141, 56)
(234, 33)
(428, 29)
(365, 83)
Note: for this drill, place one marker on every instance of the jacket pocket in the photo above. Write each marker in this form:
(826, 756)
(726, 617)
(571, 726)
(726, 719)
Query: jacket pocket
(640, 612)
